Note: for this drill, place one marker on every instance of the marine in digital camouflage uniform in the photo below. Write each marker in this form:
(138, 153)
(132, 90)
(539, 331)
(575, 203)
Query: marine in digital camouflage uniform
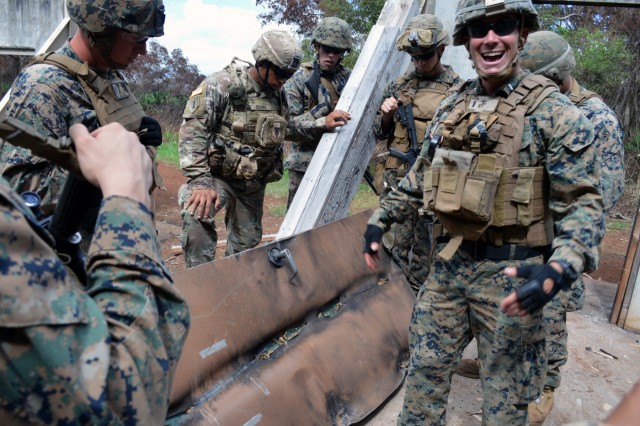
(548, 54)
(230, 147)
(424, 38)
(313, 92)
(52, 93)
(99, 352)
(513, 183)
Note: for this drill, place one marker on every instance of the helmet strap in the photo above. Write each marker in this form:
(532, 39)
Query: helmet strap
(103, 43)
(263, 81)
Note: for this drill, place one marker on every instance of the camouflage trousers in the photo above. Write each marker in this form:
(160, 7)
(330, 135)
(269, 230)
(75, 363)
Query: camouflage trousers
(555, 316)
(295, 178)
(243, 203)
(409, 244)
(459, 300)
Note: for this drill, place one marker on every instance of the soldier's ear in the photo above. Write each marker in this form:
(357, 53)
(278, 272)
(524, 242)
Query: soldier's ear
(524, 34)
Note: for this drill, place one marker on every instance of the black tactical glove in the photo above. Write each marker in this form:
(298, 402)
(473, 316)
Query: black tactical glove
(373, 234)
(150, 132)
(531, 294)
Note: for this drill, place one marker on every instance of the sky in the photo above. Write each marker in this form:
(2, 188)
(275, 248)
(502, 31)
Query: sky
(211, 32)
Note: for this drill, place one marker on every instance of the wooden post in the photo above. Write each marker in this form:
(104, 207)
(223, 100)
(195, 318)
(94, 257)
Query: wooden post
(629, 276)
(339, 163)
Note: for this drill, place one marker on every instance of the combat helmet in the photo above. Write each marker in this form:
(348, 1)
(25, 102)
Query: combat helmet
(422, 34)
(333, 32)
(144, 17)
(279, 48)
(548, 54)
(472, 10)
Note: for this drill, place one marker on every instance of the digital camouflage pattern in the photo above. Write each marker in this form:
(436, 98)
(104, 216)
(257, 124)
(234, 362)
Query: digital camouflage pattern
(333, 32)
(144, 17)
(307, 115)
(413, 236)
(423, 33)
(557, 136)
(207, 122)
(49, 100)
(609, 136)
(101, 354)
(460, 300)
(548, 54)
(472, 10)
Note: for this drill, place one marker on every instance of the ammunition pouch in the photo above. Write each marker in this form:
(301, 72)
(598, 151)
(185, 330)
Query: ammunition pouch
(270, 131)
(476, 198)
(233, 160)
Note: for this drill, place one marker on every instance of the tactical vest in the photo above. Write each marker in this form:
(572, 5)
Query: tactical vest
(425, 97)
(111, 99)
(577, 95)
(327, 84)
(474, 185)
(254, 135)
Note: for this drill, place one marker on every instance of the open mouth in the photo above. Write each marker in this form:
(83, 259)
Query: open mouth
(492, 57)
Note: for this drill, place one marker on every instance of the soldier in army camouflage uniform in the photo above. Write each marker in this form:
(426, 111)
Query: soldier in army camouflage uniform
(231, 139)
(80, 83)
(313, 92)
(548, 54)
(422, 90)
(102, 351)
(509, 169)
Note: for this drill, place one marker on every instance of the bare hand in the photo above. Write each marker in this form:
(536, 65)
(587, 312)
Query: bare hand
(372, 259)
(114, 160)
(336, 118)
(389, 107)
(199, 204)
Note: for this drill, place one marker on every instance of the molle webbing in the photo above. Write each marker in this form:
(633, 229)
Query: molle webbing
(492, 128)
(112, 100)
(577, 95)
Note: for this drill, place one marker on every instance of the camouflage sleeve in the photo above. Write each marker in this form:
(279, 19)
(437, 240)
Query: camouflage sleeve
(304, 126)
(574, 173)
(399, 205)
(105, 354)
(200, 120)
(389, 91)
(608, 138)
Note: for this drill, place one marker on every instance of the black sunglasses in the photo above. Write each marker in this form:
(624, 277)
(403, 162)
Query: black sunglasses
(331, 49)
(423, 57)
(280, 73)
(502, 28)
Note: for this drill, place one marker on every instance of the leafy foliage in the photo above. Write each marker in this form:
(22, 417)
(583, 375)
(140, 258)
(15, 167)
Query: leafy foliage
(606, 43)
(162, 82)
(304, 15)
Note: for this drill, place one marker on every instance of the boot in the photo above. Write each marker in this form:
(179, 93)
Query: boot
(469, 368)
(541, 407)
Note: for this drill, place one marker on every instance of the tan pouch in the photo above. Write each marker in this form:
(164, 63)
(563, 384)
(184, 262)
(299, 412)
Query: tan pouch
(453, 168)
(270, 130)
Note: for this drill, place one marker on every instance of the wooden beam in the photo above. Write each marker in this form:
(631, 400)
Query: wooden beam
(607, 3)
(629, 274)
(339, 163)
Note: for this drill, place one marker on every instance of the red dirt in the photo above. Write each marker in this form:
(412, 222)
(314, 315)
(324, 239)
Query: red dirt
(169, 221)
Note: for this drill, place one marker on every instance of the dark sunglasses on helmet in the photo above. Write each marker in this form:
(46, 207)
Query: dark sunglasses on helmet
(331, 49)
(502, 28)
(424, 56)
(280, 73)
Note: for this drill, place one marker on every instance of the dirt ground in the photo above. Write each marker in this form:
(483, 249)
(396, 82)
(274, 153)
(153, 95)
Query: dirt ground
(168, 218)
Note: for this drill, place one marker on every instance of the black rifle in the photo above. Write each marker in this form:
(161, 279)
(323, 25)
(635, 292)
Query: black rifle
(78, 206)
(369, 178)
(405, 113)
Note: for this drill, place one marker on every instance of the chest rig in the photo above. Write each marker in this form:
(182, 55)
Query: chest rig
(474, 185)
(111, 98)
(256, 129)
(424, 97)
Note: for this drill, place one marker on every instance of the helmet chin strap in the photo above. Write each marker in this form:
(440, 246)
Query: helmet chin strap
(263, 81)
(104, 45)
